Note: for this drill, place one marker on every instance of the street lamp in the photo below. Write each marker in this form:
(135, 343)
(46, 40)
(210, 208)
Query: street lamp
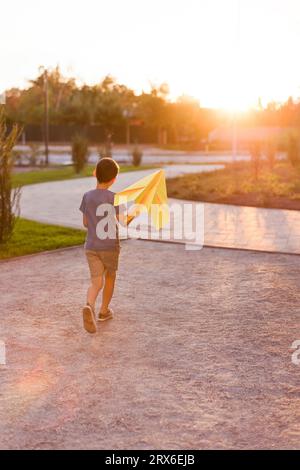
(44, 72)
(236, 78)
(127, 115)
(46, 124)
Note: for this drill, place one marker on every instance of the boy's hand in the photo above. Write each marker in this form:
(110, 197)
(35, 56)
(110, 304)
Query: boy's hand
(129, 219)
(125, 220)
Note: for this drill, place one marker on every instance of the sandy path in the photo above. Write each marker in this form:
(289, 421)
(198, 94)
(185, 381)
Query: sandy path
(197, 355)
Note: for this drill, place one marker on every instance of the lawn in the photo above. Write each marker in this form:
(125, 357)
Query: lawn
(236, 184)
(61, 173)
(34, 237)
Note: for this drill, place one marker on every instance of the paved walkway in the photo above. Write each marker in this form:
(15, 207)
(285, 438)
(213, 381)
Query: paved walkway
(224, 226)
(198, 358)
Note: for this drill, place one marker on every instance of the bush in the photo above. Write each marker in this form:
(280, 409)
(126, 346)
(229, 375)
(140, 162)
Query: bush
(271, 149)
(34, 156)
(255, 153)
(105, 152)
(80, 152)
(17, 157)
(293, 150)
(137, 156)
(9, 197)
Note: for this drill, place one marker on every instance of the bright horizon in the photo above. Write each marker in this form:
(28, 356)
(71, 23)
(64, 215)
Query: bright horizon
(201, 48)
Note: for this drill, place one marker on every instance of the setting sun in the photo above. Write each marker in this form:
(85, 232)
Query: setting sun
(225, 54)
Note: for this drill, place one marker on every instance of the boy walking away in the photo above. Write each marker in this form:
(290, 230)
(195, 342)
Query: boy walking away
(102, 245)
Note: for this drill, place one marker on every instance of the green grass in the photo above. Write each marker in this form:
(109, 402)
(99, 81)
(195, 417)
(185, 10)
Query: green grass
(62, 173)
(33, 237)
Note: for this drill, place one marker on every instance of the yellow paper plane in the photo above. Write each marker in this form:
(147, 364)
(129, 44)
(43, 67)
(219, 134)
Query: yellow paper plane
(150, 193)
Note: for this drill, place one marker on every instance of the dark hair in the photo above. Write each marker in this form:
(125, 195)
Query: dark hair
(106, 170)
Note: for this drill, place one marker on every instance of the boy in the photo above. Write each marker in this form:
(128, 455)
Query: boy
(102, 245)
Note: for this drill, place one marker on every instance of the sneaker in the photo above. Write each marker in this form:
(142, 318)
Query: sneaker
(89, 319)
(105, 316)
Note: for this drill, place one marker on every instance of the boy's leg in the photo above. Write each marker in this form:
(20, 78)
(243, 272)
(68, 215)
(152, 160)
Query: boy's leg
(88, 311)
(93, 290)
(110, 261)
(96, 271)
(108, 291)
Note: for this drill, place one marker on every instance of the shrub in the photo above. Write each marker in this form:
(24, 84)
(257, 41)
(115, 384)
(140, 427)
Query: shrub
(271, 149)
(17, 157)
(255, 153)
(9, 197)
(137, 156)
(80, 152)
(34, 155)
(293, 150)
(105, 152)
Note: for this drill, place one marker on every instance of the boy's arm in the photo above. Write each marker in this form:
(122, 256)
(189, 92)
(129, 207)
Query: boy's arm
(82, 208)
(84, 220)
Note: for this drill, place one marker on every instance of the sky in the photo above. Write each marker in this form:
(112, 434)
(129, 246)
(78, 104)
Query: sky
(225, 53)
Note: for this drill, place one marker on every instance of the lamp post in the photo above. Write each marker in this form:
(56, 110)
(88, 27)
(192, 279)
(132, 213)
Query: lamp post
(236, 78)
(46, 117)
(234, 137)
(127, 115)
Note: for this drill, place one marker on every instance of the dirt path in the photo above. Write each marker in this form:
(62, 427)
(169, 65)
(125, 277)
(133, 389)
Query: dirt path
(197, 355)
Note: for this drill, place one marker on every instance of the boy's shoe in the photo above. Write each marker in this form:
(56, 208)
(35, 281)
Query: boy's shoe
(105, 316)
(89, 322)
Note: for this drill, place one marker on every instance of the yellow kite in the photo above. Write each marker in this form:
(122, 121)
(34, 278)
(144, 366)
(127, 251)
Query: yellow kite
(150, 193)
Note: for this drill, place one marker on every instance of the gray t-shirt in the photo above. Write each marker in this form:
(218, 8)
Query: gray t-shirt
(98, 207)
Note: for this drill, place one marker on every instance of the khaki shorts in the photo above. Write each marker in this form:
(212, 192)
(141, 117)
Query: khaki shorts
(101, 261)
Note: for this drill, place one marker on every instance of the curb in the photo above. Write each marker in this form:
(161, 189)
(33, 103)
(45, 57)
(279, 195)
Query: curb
(58, 250)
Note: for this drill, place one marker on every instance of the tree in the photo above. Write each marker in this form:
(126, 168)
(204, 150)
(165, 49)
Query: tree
(152, 108)
(9, 197)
